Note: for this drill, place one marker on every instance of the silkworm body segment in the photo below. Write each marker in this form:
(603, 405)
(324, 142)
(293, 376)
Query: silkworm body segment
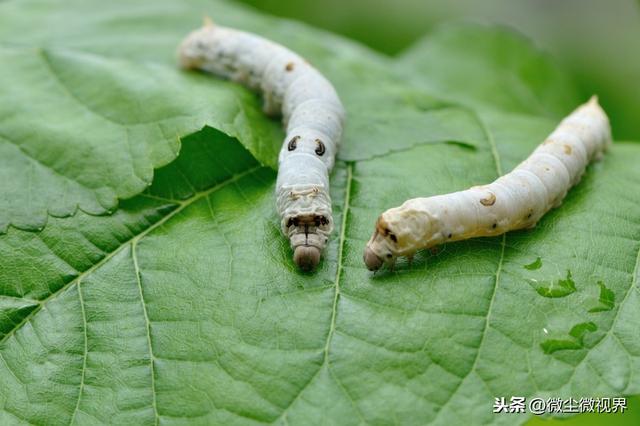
(312, 114)
(514, 201)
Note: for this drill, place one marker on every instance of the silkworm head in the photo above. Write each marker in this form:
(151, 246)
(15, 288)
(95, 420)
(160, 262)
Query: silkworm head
(380, 249)
(306, 257)
(371, 259)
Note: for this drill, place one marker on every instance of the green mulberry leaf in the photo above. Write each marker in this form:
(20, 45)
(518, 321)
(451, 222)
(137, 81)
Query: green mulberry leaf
(162, 291)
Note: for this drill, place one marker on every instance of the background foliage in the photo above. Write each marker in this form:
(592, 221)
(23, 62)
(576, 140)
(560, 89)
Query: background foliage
(599, 42)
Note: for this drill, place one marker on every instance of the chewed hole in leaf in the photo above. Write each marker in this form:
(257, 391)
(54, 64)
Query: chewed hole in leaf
(558, 288)
(575, 340)
(606, 301)
(536, 264)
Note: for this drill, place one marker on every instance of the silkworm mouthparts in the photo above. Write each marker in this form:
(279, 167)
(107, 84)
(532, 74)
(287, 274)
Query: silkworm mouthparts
(372, 260)
(306, 257)
(308, 235)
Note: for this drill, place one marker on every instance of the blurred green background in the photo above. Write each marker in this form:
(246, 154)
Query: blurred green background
(597, 40)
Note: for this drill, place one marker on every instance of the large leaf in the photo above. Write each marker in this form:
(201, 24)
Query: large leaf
(92, 103)
(183, 305)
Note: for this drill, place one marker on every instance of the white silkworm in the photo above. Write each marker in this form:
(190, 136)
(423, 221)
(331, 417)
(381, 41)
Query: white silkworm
(312, 115)
(514, 201)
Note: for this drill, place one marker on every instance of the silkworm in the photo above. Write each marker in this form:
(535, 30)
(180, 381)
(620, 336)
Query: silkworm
(516, 200)
(312, 115)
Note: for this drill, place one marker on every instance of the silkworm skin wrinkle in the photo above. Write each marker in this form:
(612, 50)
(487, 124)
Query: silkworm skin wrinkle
(312, 115)
(514, 201)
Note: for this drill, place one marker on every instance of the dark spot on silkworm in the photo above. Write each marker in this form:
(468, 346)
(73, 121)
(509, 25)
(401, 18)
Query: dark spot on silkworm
(529, 216)
(320, 149)
(289, 222)
(567, 149)
(450, 235)
(489, 201)
(389, 256)
(393, 238)
(494, 226)
(289, 67)
(293, 143)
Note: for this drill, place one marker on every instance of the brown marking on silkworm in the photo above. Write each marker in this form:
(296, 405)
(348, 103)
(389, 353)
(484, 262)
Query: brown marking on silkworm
(289, 67)
(320, 149)
(381, 226)
(494, 226)
(489, 201)
(567, 149)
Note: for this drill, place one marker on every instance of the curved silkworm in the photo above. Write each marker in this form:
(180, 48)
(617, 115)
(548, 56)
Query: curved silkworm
(312, 115)
(514, 201)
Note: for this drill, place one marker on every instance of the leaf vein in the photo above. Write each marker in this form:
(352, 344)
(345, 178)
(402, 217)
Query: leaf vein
(148, 329)
(124, 244)
(86, 350)
(496, 159)
(334, 308)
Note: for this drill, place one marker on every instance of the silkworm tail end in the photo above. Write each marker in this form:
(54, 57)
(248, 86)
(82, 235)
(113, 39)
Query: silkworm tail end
(207, 21)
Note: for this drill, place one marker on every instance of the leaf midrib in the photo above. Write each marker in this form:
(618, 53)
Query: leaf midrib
(334, 306)
(503, 242)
